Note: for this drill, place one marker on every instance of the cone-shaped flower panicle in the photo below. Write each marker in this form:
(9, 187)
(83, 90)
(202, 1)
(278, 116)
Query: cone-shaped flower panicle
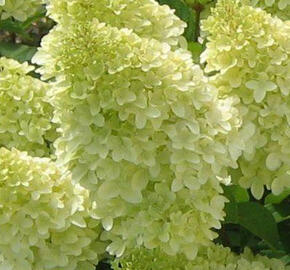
(251, 52)
(43, 217)
(141, 130)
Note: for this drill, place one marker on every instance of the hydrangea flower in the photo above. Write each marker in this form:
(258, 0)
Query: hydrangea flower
(26, 112)
(250, 50)
(43, 217)
(146, 17)
(19, 9)
(211, 258)
(141, 130)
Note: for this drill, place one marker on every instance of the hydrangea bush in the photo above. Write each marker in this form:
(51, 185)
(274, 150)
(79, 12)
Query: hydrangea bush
(251, 52)
(126, 150)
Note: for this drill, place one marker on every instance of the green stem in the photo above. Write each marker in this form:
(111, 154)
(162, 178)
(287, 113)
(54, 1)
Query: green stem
(198, 8)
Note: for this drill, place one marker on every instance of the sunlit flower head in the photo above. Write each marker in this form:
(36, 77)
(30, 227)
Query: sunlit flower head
(250, 51)
(44, 220)
(140, 128)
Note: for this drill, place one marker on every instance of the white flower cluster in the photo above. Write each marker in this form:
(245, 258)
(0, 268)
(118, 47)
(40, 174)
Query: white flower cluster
(25, 110)
(43, 218)
(209, 258)
(146, 17)
(251, 52)
(140, 128)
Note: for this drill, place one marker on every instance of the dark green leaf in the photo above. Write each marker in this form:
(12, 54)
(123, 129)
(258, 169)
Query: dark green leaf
(18, 52)
(234, 238)
(255, 218)
(236, 193)
(232, 213)
(237, 238)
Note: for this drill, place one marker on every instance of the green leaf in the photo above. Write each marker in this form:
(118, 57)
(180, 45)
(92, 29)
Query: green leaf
(236, 193)
(185, 13)
(275, 199)
(234, 238)
(255, 218)
(18, 52)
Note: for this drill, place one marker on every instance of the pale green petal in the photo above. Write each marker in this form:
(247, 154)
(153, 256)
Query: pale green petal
(52, 230)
